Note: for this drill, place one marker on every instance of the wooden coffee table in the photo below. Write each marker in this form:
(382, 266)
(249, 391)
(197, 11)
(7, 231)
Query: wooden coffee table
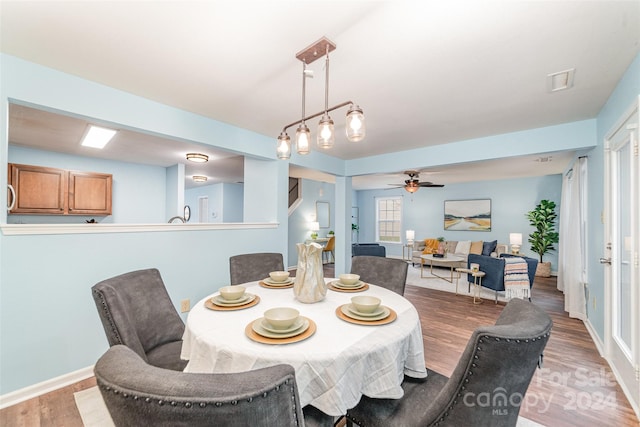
(450, 260)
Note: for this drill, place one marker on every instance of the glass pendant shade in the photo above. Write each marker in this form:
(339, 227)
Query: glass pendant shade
(411, 187)
(326, 134)
(355, 124)
(303, 138)
(283, 148)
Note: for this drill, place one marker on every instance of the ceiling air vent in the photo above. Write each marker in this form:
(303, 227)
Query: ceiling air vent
(560, 81)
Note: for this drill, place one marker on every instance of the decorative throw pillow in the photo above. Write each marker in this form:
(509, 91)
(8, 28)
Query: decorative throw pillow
(450, 246)
(463, 247)
(430, 246)
(476, 247)
(489, 247)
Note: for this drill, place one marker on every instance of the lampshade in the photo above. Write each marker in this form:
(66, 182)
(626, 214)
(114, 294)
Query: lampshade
(355, 124)
(314, 226)
(284, 146)
(326, 134)
(515, 238)
(412, 186)
(410, 235)
(303, 136)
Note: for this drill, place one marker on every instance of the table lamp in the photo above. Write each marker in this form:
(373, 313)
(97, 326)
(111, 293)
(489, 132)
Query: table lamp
(314, 226)
(515, 239)
(410, 235)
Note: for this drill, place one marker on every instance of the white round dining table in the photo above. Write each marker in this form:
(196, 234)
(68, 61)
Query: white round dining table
(334, 367)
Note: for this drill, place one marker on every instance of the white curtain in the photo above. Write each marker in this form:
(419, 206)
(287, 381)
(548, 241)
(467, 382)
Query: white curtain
(572, 248)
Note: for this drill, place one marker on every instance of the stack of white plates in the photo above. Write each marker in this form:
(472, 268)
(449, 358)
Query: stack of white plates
(269, 281)
(380, 313)
(262, 327)
(222, 302)
(338, 284)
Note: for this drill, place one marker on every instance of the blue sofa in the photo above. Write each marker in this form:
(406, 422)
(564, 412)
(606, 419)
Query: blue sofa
(374, 249)
(494, 270)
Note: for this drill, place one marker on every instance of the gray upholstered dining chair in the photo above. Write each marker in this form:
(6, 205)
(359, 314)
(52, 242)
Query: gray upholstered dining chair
(390, 273)
(137, 394)
(245, 268)
(487, 385)
(136, 310)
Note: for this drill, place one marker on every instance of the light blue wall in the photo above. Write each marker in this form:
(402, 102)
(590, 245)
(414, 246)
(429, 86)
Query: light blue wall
(625, 94)
(48, 322)
(232, 208)
(213, 193)
(423, 211)
(130, 204)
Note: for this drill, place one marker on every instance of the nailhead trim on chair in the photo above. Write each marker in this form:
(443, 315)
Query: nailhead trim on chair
(108, 316)
(189, 404)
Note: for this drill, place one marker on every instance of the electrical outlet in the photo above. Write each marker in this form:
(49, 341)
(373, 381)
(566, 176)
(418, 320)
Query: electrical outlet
(185, 305)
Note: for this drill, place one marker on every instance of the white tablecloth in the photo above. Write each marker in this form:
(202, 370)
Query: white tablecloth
(334, 367)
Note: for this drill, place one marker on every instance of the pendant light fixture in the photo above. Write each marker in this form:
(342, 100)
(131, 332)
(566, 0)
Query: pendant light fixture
(355, 124)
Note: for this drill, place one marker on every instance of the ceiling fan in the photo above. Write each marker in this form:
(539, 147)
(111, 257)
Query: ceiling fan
(413, 184)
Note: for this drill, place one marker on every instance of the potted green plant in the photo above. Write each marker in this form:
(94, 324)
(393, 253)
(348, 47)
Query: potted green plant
(330, 233)
(354, 231)
(543, 239)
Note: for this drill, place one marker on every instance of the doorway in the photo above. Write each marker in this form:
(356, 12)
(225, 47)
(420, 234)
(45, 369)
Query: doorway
(622, 226)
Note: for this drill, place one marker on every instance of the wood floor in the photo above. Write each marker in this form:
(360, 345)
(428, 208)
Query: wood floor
(574, 388)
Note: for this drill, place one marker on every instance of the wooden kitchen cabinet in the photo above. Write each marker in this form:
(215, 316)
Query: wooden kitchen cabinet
(50, 191)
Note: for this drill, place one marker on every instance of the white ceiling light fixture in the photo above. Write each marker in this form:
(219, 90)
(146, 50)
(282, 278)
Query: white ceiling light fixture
(355, 127)
(561, 80)
(197, 157)
(97, 137)
(199, 178)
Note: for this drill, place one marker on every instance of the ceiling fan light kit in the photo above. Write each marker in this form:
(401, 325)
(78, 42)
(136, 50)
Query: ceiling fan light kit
(413, 184)
(355, 125)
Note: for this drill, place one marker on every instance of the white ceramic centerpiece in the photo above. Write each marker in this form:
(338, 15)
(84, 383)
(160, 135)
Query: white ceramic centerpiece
(309, 285)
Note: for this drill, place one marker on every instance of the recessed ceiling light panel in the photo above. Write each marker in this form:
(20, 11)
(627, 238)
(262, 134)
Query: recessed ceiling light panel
(97, 137)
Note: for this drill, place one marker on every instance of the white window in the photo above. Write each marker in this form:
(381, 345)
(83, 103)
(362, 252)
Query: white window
(388, 219)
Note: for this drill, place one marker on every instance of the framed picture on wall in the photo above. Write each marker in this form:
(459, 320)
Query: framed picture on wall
(467, 215)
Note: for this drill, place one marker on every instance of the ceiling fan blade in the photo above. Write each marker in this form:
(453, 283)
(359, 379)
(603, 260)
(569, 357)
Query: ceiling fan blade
(429, 184)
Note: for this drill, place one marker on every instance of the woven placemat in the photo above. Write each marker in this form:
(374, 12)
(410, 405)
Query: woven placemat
(211, 306)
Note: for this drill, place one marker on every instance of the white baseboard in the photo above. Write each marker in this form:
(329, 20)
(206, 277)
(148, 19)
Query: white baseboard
(594, 337)
(44, 387)
(624, 388)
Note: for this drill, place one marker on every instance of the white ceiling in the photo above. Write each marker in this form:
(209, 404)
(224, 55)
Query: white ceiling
(424, 72)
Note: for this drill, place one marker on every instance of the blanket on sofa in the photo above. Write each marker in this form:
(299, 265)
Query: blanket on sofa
(516, 278)
(430, 246)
